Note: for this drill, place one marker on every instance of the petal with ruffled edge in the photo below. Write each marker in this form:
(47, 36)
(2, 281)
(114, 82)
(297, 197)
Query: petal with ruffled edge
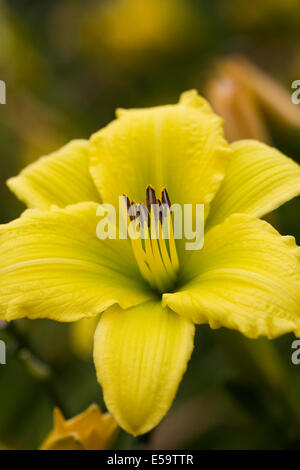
(248, 279)
(60, 178)
(140, 356)
(52, 265)
(258, 179)
(180, 147)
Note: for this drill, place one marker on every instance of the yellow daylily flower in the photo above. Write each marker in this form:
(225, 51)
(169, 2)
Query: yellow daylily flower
(150, 295)
(90, 430)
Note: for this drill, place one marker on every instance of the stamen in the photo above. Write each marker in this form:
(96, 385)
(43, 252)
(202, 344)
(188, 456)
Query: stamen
(160, 210)
(155, 252)
(165, 197)
(150, 197)
(144, 214)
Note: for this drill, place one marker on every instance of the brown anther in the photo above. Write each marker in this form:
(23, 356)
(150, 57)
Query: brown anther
(160, 207)
(165, 197)
(150, 197)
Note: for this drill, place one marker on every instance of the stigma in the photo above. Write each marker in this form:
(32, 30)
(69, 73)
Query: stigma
(150, 229)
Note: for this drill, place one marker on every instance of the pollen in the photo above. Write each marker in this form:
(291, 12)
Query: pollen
(151, 232)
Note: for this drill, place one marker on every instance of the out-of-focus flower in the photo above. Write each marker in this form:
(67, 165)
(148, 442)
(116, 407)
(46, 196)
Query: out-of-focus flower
(242, 116)
(152, 292)
(129, 29)
(261, 12)
(243, 94)
(82, 335)
(90, 430)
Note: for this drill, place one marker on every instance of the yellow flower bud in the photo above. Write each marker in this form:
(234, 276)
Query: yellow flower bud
(90, 430)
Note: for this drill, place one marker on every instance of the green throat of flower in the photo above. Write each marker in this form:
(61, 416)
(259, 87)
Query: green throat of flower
(152, 237)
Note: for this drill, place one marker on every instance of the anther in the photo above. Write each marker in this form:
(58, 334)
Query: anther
(150, 197)
(155, 253)
(165, 197)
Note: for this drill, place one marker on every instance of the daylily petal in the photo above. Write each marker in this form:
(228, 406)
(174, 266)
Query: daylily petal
(82, 335)
(52, 265)
(180, 147)
(140, 356)
(258, 179)
(60, 178)
(248, 279)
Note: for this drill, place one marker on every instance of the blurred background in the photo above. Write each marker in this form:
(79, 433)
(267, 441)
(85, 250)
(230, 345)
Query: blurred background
(67, 65)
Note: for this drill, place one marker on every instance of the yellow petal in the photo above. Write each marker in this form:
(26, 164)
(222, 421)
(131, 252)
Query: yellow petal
(82, 335)
(180, 147)
(258, 179)
(90, 430)
(140, 356)
(60, 178)
(248, 279)
(52, 265)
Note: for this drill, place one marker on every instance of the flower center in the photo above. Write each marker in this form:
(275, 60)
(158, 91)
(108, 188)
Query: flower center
(152, 236)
